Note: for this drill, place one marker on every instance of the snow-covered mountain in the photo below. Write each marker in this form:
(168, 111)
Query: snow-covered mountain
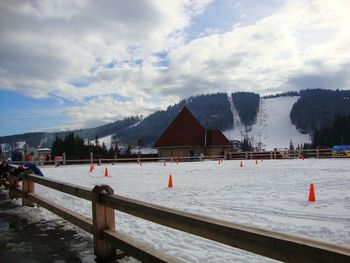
(273, 128)
(240, 115)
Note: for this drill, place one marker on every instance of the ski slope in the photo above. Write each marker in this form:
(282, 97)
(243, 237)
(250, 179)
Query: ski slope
(272, 195)
(273, 127)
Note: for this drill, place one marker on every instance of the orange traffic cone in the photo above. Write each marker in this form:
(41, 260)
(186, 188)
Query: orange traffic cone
(170, 182)
(106, 172)
(91, 168)
(302, 157)
(312, 193)
(241, 165)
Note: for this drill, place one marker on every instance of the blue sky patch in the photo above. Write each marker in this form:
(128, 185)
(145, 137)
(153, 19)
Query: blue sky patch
(24, 114)
(80, 82)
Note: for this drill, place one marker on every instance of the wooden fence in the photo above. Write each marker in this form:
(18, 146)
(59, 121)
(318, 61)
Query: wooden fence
(277, 154)
(125, 160)
(106, 239)
(281, 154)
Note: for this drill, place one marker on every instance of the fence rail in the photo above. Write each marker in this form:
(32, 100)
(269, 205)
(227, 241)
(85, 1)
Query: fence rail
(276, 154)
(125, 160)
(102, 225)
(281, 154)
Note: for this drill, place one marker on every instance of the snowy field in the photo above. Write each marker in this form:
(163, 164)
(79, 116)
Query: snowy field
(272, 194)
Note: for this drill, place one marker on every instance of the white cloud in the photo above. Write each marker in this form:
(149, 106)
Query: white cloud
(106, 109)
(45, 45)
(266, 55)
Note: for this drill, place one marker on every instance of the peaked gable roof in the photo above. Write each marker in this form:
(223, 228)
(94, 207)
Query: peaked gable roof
(216, 137)
(185, 130)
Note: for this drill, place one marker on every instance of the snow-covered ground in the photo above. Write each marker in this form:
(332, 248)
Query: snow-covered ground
(273, 126)
(272, 194)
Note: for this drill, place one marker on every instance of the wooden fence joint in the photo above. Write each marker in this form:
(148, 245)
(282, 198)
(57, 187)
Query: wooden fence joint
(27, 187)
(103, 219)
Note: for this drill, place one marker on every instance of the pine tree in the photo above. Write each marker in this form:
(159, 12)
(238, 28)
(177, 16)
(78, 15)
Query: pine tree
(115, 146)
(96, 140)
(291, 146)
(104, 149)
(128, 150)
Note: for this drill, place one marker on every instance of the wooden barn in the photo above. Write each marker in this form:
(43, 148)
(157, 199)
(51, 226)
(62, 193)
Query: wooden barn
(186, 137)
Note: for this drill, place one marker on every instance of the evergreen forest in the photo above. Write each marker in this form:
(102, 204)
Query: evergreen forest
(211, 110)
(336, 134)
(319, 108)
(247, 105)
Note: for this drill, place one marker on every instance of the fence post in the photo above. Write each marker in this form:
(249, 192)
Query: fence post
(11, 186)
(317, 153)
(27, 187)
(103, 219)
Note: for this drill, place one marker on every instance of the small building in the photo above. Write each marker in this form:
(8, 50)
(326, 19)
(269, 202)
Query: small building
(44, 154)
(186, 137)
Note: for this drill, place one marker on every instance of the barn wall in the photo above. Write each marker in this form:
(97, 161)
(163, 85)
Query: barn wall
(181, 152)
(215, 151)
(186, 151)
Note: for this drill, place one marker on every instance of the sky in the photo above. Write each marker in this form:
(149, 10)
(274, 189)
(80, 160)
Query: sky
(68, 64)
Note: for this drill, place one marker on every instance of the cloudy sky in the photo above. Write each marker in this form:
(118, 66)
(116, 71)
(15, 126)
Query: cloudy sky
(68, 64)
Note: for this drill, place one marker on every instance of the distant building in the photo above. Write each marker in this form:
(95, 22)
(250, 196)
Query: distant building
(186, 137)
(44, 154)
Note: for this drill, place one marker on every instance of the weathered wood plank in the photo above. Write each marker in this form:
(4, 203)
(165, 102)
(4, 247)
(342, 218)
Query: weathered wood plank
(103, 218)
(78, 191)
(266, 243)
(28, 187)
(137, 249)
(12, 187)
(67, 214)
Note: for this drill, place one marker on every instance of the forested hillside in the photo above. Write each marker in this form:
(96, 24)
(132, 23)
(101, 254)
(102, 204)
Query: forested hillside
(107, 129)
(247, 105)
(31, 138)
(336, 134)
(45, 139)
(211, 110)
(319, 108)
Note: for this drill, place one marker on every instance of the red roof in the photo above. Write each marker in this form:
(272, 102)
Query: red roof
(185, 130)
(216, 137)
